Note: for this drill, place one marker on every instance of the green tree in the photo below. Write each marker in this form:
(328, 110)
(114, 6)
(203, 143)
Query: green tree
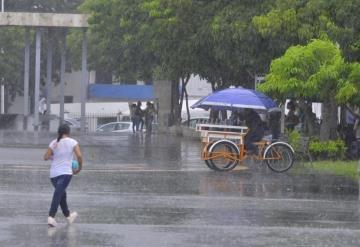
(230, 50)
(117, 41)
(144, 40)
(315, 71)
(11, 47)
(292, 22)
(173, 28)
(174, 39)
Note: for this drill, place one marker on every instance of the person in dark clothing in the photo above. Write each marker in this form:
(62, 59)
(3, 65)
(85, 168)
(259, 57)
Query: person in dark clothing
(256, 130)
(291, 119)
(132, 115)
(138, 117)
(149, 113)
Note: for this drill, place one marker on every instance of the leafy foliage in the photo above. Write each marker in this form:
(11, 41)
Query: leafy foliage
(10, 59)
(171, 39)
(294, 139)
(333, 149)
(117, 40)
(293, 22)
(316, 70)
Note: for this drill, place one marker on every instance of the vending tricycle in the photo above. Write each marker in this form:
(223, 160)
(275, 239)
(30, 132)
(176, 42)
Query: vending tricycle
(223, 146)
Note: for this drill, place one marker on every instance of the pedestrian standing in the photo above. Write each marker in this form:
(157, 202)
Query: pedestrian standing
(139, 117)
(149, 116)
(42, 106)
(291, 119)
(61, 152)
(132, 116)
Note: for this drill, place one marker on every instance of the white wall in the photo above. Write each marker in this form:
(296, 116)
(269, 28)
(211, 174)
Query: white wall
(94, 108)
(197, 87)
(72, 88)
(193, 112)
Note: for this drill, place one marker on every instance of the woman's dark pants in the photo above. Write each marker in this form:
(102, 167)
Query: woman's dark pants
(60, 184)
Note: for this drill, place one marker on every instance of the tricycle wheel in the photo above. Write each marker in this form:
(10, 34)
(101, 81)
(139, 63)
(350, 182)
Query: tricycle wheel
(279, 157)
(207, 162)
(223, 155)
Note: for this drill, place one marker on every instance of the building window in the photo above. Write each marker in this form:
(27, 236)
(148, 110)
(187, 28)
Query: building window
(68, 99)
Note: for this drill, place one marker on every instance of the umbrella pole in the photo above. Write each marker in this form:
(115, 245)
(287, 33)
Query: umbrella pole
(283, 119)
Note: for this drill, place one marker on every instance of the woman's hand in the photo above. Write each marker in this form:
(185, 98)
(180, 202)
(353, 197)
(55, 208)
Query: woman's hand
(76, 171)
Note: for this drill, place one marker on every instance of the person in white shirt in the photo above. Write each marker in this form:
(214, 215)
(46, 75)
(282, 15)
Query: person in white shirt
(60, 152)
(42, 106)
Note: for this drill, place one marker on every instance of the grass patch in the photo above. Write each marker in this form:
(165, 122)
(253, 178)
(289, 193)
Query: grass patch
(339, 168)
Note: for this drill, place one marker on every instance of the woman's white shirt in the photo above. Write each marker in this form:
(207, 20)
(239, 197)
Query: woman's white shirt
(63, 152)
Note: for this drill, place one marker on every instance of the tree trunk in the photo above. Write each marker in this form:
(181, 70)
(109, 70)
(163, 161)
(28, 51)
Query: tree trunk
(185, 82)
(175, 106)
(7, 100)
(213, 87)
(329, 112)
(183, 86)
(187, 107)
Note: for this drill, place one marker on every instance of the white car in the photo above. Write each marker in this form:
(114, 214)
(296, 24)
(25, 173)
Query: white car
(115, 127)
(73, 123)
(194, 121)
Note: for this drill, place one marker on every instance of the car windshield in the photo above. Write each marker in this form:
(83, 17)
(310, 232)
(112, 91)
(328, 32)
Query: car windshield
(107, 128)
(122, 126)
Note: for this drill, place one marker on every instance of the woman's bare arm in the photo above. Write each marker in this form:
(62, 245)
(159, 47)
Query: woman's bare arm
(48, 154)
(78, 157)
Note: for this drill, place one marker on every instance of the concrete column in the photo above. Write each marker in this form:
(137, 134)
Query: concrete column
(2, 96)
(62, 79)
(37, 78)
(26, 76)
(49, 72)
(84, 81)
(162, 90)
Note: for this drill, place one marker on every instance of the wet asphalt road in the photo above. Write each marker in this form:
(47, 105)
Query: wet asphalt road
(155, 191)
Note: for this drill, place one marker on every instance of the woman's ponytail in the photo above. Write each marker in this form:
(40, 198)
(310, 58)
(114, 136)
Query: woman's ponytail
(63, 129)
(59, 137)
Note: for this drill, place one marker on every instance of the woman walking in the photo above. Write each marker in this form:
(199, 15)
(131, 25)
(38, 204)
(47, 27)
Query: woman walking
(60, 152)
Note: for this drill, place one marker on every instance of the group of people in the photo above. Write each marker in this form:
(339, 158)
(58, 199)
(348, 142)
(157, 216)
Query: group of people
(138, 115)
(347, 130)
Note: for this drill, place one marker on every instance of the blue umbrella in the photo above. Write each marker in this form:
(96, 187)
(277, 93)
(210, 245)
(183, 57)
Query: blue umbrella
(234, 98)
